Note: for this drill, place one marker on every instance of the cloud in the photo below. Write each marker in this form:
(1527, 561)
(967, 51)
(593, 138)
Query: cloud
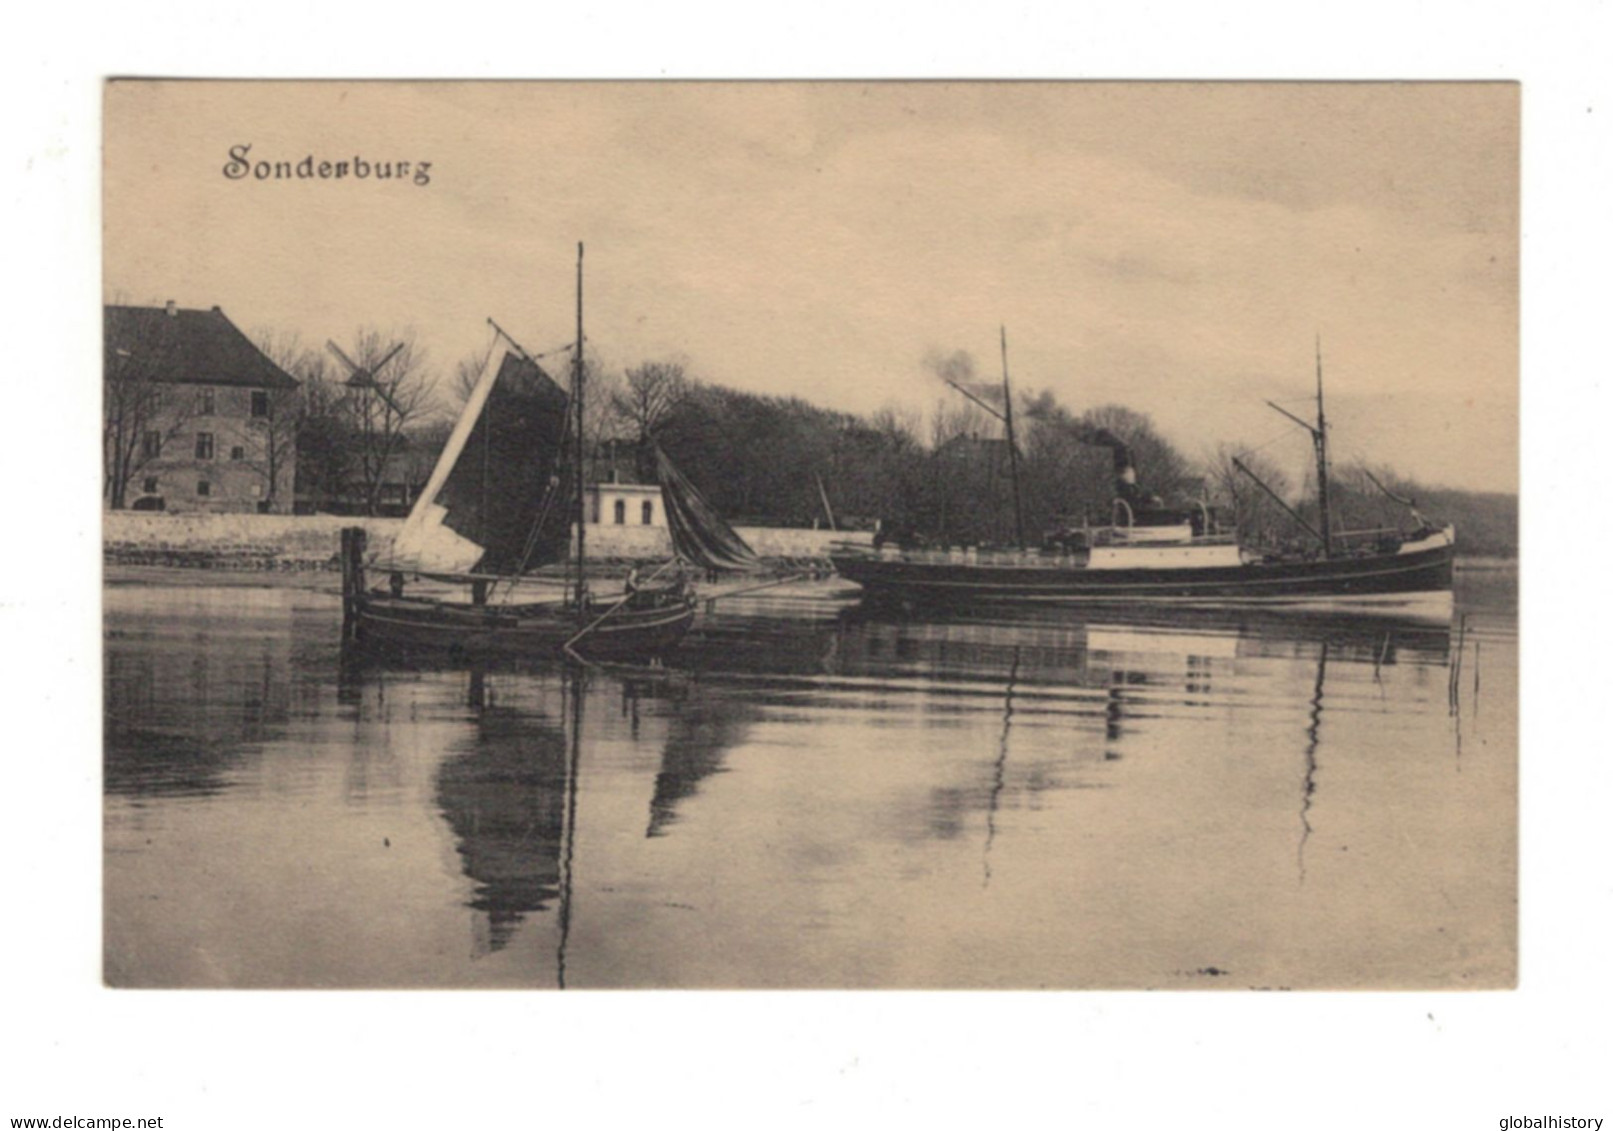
(1172, 247)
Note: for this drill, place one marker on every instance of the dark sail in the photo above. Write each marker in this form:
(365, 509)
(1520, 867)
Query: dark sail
(498, 484)
(699, 533)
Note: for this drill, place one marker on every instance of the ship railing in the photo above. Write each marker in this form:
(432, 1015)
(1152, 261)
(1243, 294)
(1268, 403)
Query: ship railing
(1126, 536)
(1367, 532)
(1041, 556)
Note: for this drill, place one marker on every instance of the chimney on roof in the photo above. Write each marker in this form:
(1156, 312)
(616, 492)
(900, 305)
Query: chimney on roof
(173, 310)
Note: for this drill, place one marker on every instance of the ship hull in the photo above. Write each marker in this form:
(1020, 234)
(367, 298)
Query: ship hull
(403, 626)
(1383, 580)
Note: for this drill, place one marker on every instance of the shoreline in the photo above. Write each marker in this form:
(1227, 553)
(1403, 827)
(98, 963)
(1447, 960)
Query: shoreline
(330, 580)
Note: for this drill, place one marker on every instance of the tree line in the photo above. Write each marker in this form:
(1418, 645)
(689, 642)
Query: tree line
(944, 479)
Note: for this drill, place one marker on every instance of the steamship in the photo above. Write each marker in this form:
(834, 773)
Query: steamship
(1154, 554)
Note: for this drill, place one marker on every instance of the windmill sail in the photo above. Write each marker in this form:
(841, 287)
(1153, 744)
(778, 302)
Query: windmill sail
(495, 502)
(699, 533)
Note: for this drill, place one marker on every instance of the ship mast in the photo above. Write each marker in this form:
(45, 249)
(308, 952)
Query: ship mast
(1006, 415)
(1318, 433)
(577, 392)
(1319, 436)
(1013, 448)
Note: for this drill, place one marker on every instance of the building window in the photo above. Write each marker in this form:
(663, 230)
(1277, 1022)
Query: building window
(260, 403)
(237, 453)
(151, 445)
(594, 509)
(150, 485)
(204, 445)
(646, 512)
(621, 512)
(203, 488)
(204, 402)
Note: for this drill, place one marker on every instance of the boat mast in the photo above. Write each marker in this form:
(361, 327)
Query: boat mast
(577, 392)
(1318, 433)
(1013, 448)
(1320, 438)
(1006, 415)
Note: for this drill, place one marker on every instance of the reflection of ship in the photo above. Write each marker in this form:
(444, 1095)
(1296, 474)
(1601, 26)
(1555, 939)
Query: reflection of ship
(510, 792)
(1208, 633)
(700, 736)
(1177, 557)
(504, 796)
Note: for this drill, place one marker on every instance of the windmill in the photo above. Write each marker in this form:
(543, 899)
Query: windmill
(377, 436)
(361, 378)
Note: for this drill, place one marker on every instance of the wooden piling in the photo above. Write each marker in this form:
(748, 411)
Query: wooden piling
(353, 540)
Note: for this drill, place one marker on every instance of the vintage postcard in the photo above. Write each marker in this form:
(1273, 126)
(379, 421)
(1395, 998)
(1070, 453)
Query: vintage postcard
(886, 535)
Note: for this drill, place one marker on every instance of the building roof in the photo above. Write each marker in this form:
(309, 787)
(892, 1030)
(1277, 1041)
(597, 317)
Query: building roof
(191, 347)
(971, 445)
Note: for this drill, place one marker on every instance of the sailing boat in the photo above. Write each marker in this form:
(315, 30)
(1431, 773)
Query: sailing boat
(1161, 555)
(502, 501)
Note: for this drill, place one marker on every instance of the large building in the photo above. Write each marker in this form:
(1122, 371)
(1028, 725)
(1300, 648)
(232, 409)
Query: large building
(197, 418)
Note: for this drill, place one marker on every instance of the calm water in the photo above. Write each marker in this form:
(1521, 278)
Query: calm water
(815, 798)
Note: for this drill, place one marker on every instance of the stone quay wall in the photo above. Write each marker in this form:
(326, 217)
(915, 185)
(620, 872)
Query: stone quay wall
(235, 541)
(311, 542)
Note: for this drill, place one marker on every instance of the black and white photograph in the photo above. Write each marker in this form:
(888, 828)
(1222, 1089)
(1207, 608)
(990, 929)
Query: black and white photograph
(810, 535)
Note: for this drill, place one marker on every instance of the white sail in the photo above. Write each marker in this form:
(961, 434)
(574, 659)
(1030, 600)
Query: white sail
(426, 544)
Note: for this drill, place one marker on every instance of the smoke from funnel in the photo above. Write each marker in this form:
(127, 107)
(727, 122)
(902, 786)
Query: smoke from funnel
(958, 369)
(1048, 412)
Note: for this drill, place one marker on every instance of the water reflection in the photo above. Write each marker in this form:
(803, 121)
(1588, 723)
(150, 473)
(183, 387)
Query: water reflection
(1313, 735)
(699, 737)
(503, 794)
(180, 713)
(853, 799)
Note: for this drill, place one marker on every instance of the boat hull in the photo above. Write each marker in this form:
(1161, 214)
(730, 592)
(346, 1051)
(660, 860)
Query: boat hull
(1386, 580)
(404, 626)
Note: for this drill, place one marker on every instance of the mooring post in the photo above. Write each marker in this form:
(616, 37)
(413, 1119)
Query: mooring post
(353, 539)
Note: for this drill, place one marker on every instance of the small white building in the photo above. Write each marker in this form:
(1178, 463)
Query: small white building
(624, 504)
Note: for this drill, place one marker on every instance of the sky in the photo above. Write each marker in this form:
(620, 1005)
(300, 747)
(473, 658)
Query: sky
(1177, 248)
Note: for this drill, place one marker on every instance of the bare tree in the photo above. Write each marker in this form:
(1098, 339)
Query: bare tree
(141, 410)
(602, 423)
(325, 457)
(648, 396)
(965, 489)
(899, 425)
(468, 371)
(390, 389)
(274, 455)
(1261, 521)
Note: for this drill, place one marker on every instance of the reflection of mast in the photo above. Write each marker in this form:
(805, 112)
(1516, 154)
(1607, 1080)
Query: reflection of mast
(999, 769)
(569, 830)
(1313, 734)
